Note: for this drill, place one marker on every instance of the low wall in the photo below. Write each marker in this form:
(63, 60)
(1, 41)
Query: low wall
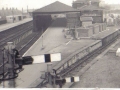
(91, 30)
(3, 21)
(21, 37)
(82, 32)
(76, 56)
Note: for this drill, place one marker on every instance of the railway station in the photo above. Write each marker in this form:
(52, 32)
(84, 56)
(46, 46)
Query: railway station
(80, 34)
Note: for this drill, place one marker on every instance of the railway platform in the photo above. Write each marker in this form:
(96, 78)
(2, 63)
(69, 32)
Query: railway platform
(52, 41)
(30, 76)
(6, 26)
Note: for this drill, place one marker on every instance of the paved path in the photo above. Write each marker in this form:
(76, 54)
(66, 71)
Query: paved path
(52, 38)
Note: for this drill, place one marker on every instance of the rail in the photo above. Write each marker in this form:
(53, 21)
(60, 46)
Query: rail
(96, 52)
(20, 35)
(76, 56)
(69, 66)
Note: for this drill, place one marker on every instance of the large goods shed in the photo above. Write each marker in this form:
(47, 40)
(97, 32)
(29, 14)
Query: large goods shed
(42, 18)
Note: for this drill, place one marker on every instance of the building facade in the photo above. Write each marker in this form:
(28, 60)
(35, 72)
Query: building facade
(79, 3)
(89, 8)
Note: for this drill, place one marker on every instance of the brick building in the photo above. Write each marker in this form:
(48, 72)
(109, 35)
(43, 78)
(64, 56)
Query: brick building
(44, 16)
(92, 11)
(90, 8)
(79, 3)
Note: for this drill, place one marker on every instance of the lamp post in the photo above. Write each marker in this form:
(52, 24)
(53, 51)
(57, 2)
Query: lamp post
(42, 40)
(27, 9)
(4, 15)
(22, 12)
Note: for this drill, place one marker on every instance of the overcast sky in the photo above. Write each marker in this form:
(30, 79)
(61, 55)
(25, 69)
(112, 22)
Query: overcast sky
(39, 3)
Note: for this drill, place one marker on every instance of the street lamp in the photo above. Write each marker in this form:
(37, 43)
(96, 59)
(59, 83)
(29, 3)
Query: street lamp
(42, 40)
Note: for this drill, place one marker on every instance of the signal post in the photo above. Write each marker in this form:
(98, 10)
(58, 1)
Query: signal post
(15, 63)
(10, 65)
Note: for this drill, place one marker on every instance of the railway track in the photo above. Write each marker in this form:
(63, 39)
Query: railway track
(12, 37)
(73, 69)
(8, 36)
(84, 61)
(13, 30)
(22, 50)
(26, 46)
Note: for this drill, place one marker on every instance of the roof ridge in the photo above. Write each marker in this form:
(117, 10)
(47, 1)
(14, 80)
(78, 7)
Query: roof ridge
(82, 6)
(56, 7)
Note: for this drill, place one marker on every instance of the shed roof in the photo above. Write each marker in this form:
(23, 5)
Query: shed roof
(56, 7)
(89, 7)
(86, 18)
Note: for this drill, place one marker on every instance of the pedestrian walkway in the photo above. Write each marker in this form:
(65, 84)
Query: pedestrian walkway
(30, 76)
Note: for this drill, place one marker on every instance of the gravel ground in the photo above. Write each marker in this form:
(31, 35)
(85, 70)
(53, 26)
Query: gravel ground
(101, 74)
(105, 73)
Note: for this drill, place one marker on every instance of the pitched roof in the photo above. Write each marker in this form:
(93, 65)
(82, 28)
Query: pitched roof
(56, 7)
(86, 18)
(89, 7)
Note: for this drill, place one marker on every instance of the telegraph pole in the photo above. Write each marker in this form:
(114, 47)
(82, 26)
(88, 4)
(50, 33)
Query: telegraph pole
(42, 40)
(13, 14)
(22, 12)
(27, 9)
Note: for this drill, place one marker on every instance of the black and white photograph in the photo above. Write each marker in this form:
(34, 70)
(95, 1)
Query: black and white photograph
(60, 44)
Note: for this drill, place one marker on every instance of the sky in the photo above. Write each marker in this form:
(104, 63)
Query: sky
(35, 4)
(112, 1)
(31, 3)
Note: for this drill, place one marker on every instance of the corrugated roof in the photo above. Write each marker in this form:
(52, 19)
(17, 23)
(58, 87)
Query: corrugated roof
(56, 7)
(89, 7)
(86, 18)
